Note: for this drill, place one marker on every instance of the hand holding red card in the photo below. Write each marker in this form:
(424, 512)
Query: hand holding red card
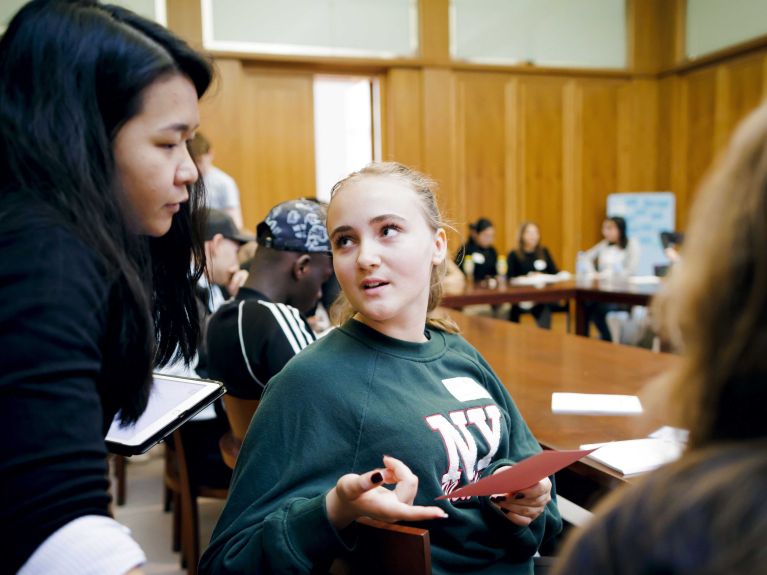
(523, 474)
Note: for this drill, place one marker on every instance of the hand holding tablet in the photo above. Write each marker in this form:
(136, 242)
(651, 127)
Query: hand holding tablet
(172, 401)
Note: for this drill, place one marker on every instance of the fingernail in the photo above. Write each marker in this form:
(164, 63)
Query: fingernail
(498, 498)
(376, 477)
(444, 516)
(519, 496)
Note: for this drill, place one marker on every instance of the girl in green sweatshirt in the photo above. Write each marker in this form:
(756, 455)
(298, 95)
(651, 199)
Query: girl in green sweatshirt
(383, 415)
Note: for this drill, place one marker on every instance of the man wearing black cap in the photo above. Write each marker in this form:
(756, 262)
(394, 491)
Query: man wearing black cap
(253, 336)
(222, 242)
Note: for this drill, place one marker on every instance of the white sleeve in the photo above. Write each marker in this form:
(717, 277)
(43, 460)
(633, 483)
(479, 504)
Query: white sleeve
(594, 251)
(89, 545)
(633, 255)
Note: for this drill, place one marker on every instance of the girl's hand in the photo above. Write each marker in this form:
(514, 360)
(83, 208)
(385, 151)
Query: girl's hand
(522, 507)
(364, 495)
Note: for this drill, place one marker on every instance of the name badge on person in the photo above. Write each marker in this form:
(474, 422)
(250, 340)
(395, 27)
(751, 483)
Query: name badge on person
(478, 258)
(539, 265)
(465, 389)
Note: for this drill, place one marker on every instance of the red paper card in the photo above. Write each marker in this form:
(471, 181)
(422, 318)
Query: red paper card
(522, 475)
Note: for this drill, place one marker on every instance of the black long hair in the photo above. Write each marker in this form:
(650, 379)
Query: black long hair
(72, 73)
(620, 223)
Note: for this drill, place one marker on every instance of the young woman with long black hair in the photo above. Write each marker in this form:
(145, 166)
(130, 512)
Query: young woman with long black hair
(98, 203)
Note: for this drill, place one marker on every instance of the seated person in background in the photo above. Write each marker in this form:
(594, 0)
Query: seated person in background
(221, 189)
(245, 254)
(389, 380)
(222, 244)
(251, 337)
(707, 512)
(672, 243)
(480, 247)
(531, 258)
(615, 256)
(454, 280)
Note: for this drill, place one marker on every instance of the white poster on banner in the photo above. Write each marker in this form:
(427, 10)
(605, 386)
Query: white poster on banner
(647, 214)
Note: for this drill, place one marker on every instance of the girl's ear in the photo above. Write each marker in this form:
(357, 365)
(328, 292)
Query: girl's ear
(440, 247)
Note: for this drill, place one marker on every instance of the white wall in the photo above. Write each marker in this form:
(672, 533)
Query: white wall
(577, 33)
(154, 9)
(384, 28)
(716, 24)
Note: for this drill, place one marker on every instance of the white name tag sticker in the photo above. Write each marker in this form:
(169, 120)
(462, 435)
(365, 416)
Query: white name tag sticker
(465, 389)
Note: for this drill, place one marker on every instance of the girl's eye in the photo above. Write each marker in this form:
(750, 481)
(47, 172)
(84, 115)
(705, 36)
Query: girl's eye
(389, 231)
(342, 241)
(167, 146)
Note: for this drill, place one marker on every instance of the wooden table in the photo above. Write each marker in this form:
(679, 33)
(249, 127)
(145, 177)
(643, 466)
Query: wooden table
(533, 363)
(580, 291)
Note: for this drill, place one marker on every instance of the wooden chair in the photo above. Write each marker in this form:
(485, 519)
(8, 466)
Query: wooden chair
(186, 528)
(119, 473)
(386, 548)
(239, 412)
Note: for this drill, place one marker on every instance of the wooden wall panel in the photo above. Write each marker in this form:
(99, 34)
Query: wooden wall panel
(510, 144)
(745, 90)
(700, 117)
(480, 102)
(665, 121)
(638, 131)
(277, 132)
(698, 113)
(219, 119)
(404, 117)
(439, 140)
(599, 140)
(540, 137)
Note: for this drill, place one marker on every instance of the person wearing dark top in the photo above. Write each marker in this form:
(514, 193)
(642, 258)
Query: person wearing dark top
(530, 258)
(480, 247)
(222, 244)
(706, 512)
(251, 337)
(98, 225)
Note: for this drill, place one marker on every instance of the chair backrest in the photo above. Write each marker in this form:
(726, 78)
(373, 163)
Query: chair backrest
(239, 412)
(386, 548)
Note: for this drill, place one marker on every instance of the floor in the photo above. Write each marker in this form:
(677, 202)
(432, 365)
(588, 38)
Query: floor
(151, 526)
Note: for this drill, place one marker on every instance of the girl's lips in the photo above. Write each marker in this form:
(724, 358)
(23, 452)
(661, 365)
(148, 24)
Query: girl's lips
(373, 284)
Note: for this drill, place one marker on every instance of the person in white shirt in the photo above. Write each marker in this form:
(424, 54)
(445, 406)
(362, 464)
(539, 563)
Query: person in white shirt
(221, 189)
(616, 256)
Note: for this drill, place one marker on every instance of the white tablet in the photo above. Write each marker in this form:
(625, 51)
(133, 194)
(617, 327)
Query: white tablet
(172, 401)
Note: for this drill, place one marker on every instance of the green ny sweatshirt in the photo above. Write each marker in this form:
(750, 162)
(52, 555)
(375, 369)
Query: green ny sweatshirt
(339, 406)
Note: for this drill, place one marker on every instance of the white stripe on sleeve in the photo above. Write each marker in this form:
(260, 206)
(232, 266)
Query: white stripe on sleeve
(283, 325)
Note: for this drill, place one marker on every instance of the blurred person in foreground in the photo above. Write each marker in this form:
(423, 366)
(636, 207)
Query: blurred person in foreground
(706, 513)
